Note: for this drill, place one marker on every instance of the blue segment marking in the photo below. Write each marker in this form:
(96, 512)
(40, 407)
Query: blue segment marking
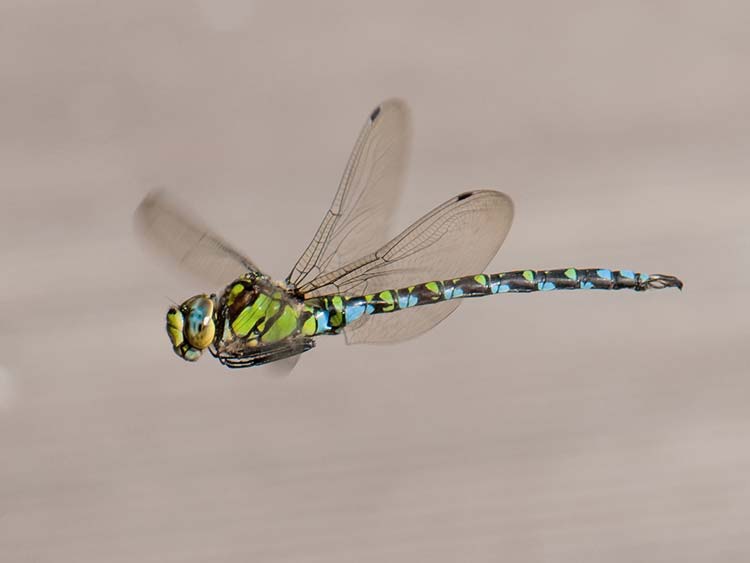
(501, 288)
(448, 292)
(354, 311)
(587, 285)
(630, 274)
(406, 300)
(546, 286)
(403, 300)
(321, 317)
(606, 274)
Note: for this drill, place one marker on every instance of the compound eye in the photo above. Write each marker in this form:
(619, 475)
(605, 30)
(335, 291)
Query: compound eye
(200, 324)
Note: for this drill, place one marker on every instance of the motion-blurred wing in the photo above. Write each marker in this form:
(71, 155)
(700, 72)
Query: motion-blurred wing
(456, 239)
(182, 238)
(358, 220)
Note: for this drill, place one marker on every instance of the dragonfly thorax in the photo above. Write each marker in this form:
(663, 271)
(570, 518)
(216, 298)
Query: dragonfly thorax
(191, 327)
(254, 311)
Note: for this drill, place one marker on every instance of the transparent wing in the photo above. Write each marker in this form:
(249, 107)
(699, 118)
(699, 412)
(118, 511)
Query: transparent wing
(456, 239)
(282, 368)
(358, 220)
(177, 235)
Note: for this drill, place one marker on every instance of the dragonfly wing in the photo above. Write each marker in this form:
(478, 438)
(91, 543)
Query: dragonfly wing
(458, 238)
(284, 367)
(398, 326)
(174, 233)
(358, 220)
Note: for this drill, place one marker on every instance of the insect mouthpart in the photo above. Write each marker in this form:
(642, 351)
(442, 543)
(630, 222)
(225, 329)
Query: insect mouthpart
(191, 328)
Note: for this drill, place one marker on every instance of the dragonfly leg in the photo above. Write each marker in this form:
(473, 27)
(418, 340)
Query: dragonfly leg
(265, 353)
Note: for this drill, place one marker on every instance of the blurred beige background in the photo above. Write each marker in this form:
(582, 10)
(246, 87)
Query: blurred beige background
(551, 427)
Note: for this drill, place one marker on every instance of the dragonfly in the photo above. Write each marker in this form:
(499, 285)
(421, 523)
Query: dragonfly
(352, 278)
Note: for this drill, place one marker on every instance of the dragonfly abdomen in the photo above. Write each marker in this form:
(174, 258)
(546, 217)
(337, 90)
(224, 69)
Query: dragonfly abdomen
(329, 314)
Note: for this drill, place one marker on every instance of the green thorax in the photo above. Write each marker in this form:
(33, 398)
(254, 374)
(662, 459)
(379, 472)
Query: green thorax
(256, 311)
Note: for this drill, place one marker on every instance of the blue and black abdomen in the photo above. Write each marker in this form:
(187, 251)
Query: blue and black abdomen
(329, 314)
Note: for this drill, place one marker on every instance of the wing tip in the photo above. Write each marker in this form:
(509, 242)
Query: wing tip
(390, 105)
(152, 204)
(504, 199)
(485, 192)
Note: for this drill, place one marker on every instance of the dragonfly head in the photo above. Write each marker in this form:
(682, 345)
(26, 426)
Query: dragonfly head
(191, 327)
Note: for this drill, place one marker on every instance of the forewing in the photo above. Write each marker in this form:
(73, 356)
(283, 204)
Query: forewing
(358, 220)
(176, 234)
(456, 239)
